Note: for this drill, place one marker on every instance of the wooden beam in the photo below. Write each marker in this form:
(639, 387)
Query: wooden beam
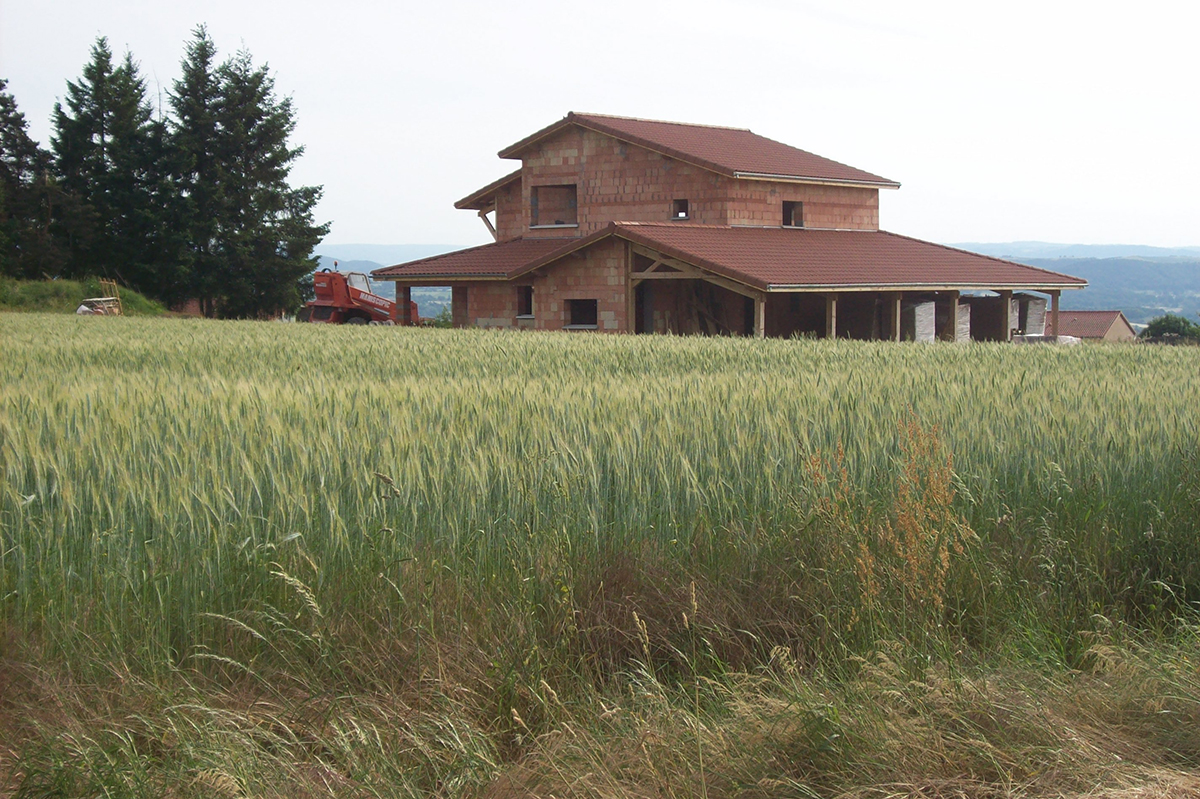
(669, 276)
(831, 303)
(760, 317)
(483, 215)
(1054, 313)
(690, 272)
(897, 300)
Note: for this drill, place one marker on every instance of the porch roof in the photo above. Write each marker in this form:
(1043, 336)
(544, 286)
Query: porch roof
(767, 259)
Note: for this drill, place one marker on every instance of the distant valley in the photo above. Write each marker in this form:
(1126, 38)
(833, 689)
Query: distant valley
(1142, 281)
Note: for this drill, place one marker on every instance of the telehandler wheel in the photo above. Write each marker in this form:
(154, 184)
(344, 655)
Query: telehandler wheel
(355, 320)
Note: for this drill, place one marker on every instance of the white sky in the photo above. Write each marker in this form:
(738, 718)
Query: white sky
(1022, 120)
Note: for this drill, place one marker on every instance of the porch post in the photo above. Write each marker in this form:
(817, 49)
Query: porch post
(952, 319)
(897, 298)
(1006, 315)
(402, 313)
(1054, 312)
(760, 316)
(831, 303)
(630, 293)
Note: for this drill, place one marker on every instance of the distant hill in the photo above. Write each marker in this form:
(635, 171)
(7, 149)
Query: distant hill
(1141, 287)
(1017, 250)
(384, 254)
(1142, 281)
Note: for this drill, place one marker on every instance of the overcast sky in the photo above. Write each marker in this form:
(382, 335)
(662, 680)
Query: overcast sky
(1021, 120)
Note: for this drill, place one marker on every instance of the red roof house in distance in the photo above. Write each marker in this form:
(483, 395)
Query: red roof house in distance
(1096, 325)
(638, 226)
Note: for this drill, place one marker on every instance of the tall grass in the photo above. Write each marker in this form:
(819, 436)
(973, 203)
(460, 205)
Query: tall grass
(477, 538)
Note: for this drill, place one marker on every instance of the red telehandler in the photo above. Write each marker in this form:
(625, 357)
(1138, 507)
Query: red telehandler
(346, 299)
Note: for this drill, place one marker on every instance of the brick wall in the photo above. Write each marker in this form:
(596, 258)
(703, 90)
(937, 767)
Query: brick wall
(758, 202)
(595, 274)
(618, 182)
(510, 219)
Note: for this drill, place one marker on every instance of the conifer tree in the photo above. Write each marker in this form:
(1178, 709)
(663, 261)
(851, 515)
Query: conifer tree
(111, 152)
(193, 140)
(250, 234)
(37, 217)
(268, 230)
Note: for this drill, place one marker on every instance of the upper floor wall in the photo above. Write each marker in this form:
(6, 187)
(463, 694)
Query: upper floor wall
(580, 180)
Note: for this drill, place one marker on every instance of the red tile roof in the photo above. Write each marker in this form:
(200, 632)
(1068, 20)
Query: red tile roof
(771, 259)
(489, 261)
(477, 200)
(736, 152)
(1089, 324)
(799, 259)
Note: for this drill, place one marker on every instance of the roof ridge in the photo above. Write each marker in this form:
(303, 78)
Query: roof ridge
(657, 121)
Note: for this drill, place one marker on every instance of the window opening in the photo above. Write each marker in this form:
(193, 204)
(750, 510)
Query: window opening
(525, 301)
(793, 214)
(679, 209)
(582, 313)
(552, 206)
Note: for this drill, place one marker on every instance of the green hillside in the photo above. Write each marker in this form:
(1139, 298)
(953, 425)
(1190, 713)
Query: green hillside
(64, 296)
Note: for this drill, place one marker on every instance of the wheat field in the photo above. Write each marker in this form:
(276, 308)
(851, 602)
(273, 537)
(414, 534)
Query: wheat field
(265, 559)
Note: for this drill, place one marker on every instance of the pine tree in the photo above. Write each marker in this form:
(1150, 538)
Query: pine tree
(110, 151)
(32, 207)
(266, 230)
(193, 139)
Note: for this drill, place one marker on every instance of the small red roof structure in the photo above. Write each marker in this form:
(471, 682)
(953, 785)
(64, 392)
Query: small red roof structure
(1096, 325)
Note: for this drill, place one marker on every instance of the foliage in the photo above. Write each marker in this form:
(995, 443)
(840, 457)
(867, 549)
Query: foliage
(64, 296)
(1170, 325)
(251, 234)
(523, 563)
(111, 153)
(195, 206)
(31, 201)
(444, 318)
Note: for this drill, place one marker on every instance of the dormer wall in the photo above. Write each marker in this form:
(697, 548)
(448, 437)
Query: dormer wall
(758, 202)
(615, 181)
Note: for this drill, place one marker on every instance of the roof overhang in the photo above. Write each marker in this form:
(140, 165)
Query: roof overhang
(871, 184)
(783, 288)
(483, 199)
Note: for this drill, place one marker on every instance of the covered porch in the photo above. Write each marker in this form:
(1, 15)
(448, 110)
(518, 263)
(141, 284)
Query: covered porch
(670, 295)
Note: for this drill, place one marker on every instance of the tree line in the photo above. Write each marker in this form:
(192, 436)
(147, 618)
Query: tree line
(191, 202)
